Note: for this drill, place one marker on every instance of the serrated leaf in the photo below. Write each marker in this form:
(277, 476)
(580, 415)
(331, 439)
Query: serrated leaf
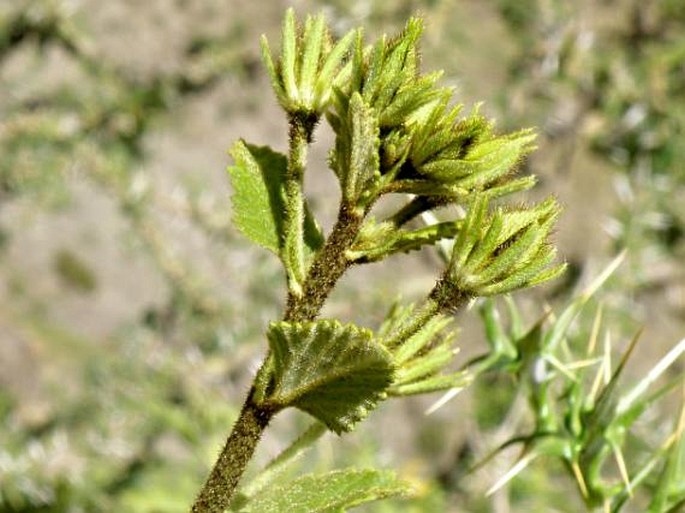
(259, 200)
(328, 493)
(334, 372)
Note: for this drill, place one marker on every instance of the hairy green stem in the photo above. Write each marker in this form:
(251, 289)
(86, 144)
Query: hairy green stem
(329, 265)
(300, 135)
(218, 490)
(327, 268)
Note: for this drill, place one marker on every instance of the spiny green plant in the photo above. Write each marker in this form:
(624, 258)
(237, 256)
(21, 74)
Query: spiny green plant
(395, 134)
(580, 413)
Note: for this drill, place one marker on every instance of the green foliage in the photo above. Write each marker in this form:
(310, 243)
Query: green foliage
(335, 372)
(504, 252)
(258, 179)
(355, 158)
(422, 356)
(328, 493)
(581, 416)
(307, 66)
(378, 240)
(394, 134)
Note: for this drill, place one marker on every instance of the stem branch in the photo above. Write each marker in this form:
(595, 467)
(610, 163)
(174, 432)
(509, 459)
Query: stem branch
(306, 296)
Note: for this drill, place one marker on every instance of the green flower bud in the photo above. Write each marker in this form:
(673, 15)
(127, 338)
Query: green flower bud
(303, 76)
(501, 252)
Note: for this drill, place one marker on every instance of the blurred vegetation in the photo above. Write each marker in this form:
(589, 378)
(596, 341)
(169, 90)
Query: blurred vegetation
(131, 420)
(615, 74)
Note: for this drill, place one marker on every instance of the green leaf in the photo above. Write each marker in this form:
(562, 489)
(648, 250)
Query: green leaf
(423, 354)
(334, 372)
(328, 493)
(501, 343)
(497, 157)
(504, 251)
(327, 76)
(312, 45)
(273, 73)
(433, 383)
(364, 146)
(375, 69)
(425, 340)
(313, 237)
(410, 99)
(259, 199)
(258, 203)
(355, 159)
(470, 233)
(289, 54)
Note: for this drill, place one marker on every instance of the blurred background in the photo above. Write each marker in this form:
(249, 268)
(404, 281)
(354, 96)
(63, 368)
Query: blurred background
(131, 312)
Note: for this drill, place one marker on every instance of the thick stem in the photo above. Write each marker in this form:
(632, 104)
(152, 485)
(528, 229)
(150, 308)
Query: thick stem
(327, 268)
(218, 490)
